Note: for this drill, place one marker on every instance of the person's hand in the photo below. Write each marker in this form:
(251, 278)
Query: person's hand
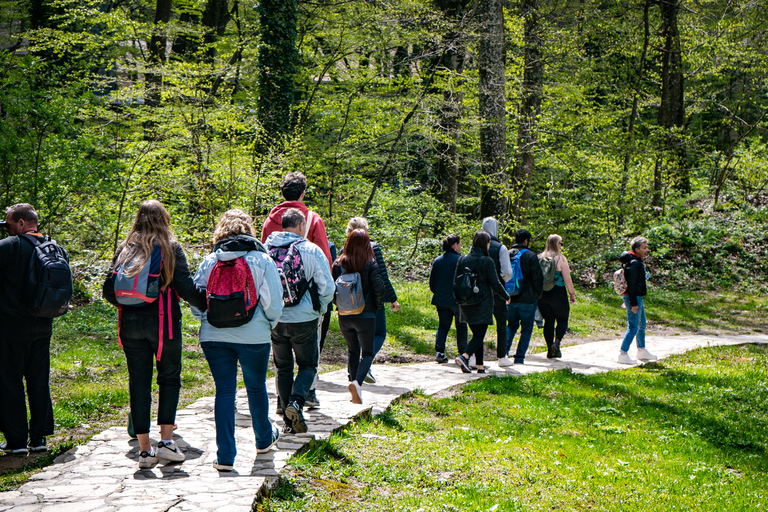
(395, 307)
(573, 298)
(634, 309)
(509, 301)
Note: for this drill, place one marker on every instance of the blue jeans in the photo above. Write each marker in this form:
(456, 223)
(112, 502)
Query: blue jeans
(381, 330)
(520, 315)
(299, 339)
(635, 325)
(222, 358)
(446, 316)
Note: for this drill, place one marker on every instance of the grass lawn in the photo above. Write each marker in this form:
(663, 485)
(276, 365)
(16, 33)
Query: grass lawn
(687, 433)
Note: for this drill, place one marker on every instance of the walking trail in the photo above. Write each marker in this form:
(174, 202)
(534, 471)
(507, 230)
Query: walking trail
(103, 475)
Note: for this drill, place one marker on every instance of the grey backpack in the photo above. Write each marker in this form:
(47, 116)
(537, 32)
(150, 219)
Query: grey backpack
(350, 299)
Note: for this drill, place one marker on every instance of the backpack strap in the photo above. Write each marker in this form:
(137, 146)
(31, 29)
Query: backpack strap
(310, 218)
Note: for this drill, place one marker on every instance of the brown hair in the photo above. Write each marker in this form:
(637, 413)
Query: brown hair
(481, 240)
(151, 227)
(357, 251)
(293, 185)
(232, 223)
(22, 211)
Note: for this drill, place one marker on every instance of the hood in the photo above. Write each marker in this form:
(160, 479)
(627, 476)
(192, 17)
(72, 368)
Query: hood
(276, 215)
(281, 239)
(626, 257)
(491, 226)
(237, 247)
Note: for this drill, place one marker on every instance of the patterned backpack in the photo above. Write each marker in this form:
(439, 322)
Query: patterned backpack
(290, 267)
(231, 293)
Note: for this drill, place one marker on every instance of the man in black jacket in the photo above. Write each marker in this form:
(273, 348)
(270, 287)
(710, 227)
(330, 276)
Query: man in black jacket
(634, 273)
(25, 343)
(522, 308)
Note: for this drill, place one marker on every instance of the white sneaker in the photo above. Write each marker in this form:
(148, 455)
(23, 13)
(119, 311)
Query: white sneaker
(505, 361)
(472, 362)
(625, 359)
(147, 459)
(644, 355)
(356, 391)
(169, 451)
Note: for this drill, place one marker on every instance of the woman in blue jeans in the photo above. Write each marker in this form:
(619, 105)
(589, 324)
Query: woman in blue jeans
(248, 344)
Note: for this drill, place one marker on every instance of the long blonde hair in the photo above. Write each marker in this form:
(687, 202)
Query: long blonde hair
(232, 223)
(552, 248)
(151, 227)
(357, 223)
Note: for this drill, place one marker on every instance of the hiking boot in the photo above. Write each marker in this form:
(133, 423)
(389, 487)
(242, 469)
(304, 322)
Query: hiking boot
(275, 437)
(472, 362)
(37, 445)
(551, 351)
(169, 451)
(644, 355)
(481, 370)
(558, 354)
(462, 363)
(293, 413)
(16, 451)
(311, 401)
(625, 359)
(287, 429)
(356, 391)
(370, 379)
(147, 459)
(223, 467)
(440, 358)
(505, 361)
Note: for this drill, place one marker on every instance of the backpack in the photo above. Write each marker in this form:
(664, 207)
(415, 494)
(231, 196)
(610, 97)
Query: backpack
(49, 280)
(619, 281)
(290, 267)
(515, 284)
(465, 290)
(350, 299)
(548, 268)
(231, 294)
(144, 287)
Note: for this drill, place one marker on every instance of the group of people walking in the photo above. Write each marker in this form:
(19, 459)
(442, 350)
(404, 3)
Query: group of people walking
(274, 294)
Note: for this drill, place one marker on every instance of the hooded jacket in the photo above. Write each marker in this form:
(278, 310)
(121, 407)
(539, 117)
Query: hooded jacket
(477, 261)
(533, 277)
(316, 233)
(267, 282)
(316, 270)
(498, 252)
(634, 273)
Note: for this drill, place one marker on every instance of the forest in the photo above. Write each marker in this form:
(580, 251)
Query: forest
(597, 120)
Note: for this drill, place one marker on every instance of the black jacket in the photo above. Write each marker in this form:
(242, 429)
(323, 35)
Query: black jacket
(182, 285)
(373, 285)
(533, 278)
(634, 273)
(15, 255)
(389, 290)
(477, 261)
(441, 278)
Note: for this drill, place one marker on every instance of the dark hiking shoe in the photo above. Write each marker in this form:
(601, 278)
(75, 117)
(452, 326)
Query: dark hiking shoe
(462, 363)
(15, 451)
(37, 445)
(441, 358)
(311, 402)
(293, 413)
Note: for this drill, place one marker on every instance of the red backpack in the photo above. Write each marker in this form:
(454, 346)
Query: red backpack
(231, 293)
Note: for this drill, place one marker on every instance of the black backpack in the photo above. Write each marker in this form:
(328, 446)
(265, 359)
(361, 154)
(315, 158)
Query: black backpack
(49, 280)
(465, 289)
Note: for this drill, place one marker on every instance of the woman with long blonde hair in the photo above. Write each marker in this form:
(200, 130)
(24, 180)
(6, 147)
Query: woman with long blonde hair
(149, 324)
(555, 304)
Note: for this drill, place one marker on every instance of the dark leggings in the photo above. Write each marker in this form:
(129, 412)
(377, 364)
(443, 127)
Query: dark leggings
(554, 307)
(475, 345)
(358, 333)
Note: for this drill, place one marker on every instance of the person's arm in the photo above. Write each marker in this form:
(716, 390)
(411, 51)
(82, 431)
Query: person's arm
(389, 291)
(183, 283)
(108, 289)
(273, 307)
(506, 264)
(376, 284)
(565, 270)
(323, 279)
(432, 276)
(492, 277)
(631, 271)
(318, 236)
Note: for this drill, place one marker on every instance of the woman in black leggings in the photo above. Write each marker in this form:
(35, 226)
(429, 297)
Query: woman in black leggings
(479, 315)
(555, 304)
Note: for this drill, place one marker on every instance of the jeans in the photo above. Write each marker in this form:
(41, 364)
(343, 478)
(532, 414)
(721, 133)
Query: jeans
(222, 359)
(381, 330)
(25, 356)
(358, 333)
(138, 334)
(446, 316)
(554, 307)
(298, 339)
(520, 315)
(500, 317)
(635, 325)
(475, 345)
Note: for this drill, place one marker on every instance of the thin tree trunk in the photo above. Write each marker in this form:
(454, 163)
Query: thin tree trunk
(157, 50)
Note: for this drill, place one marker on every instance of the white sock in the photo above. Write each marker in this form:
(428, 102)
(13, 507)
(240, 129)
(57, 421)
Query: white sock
(164, 441)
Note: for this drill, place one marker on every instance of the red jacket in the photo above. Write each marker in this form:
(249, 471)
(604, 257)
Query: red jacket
(316, 234)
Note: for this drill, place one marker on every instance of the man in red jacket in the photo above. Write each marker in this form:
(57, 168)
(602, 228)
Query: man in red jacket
(293, 188)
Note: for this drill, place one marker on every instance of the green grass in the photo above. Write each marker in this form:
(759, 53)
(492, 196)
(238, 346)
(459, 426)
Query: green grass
(687, 433)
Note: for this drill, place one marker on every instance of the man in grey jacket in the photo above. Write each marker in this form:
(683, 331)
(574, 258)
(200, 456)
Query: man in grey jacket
(295, 336)
(500, 256)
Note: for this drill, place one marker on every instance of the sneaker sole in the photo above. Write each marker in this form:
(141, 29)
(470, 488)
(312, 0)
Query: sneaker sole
(463, 365)
(169, 455)
(355, 395)
(38, 449)
(297, 421)
(223, 467)
(268, 448)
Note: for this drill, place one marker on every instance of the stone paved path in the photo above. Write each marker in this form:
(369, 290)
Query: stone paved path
(103, 475)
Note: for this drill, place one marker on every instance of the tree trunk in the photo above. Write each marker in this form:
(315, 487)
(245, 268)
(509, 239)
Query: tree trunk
(215, 18)
(157, 50)
(672, 108)
(530, 106)
(492, 106)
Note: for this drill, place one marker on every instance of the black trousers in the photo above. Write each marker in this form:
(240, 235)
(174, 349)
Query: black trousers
(475, 345)
(555, 309)
(500, 317)
(25, 356)
(358, 333)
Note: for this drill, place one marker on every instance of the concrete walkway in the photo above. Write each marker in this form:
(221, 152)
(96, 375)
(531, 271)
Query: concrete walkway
(103, 475)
